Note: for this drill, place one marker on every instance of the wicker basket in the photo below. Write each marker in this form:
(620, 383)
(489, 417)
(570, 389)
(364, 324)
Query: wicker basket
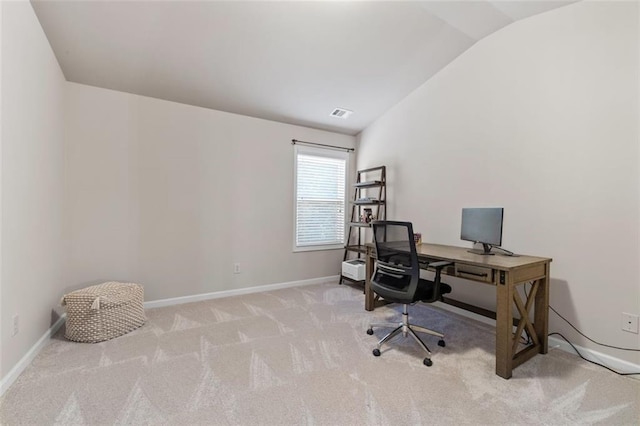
(104, 311)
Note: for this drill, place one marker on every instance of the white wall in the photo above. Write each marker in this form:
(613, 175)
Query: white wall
(1, 135)
(33, 246)
(101, 185)
(171, 196)
(542, 119)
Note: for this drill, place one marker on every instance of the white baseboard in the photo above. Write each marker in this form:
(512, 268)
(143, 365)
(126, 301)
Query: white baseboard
(614, 363)
(24, 362)
(237, 292)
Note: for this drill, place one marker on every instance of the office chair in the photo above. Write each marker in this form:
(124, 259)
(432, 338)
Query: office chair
(397, 279)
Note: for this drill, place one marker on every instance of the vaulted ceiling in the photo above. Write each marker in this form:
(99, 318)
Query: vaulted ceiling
(287, 61)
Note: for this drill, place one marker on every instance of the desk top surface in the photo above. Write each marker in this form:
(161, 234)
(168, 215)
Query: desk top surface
(460, 254)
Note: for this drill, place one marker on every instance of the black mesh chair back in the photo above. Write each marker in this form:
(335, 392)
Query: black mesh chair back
(397, 271)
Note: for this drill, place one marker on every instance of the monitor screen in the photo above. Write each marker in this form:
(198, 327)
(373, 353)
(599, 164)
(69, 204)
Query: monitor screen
(482, 225)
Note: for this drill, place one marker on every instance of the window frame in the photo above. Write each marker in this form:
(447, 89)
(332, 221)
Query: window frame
(327, 153)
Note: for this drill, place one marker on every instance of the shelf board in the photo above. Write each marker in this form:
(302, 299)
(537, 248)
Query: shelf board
(360, 224)
(342, 277)
(356, 248)
(368, 202)
(373, 169)
(368, 184)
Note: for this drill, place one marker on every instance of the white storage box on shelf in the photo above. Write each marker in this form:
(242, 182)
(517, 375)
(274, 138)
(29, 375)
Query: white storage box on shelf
(354, 269)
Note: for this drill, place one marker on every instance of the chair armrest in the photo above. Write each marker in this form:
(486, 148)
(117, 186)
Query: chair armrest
(439, 265)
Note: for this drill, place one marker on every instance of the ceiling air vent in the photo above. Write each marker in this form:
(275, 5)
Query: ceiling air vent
(341, 113)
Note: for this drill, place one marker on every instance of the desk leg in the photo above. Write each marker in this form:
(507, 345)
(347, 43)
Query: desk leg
(504, 325)
(369, 302)
(541, 313)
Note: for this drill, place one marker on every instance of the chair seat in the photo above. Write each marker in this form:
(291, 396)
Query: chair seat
(426, 289)
(424, 293)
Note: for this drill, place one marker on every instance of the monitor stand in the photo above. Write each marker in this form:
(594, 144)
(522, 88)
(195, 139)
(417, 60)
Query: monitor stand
(486, 250)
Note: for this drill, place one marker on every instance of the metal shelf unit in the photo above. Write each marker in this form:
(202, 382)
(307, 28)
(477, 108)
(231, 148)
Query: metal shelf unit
(368, 203)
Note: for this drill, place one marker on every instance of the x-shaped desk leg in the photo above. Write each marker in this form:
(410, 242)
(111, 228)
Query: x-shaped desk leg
(525, 320)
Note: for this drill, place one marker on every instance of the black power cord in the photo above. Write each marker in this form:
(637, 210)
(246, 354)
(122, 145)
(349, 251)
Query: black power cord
(528, 341)
(593, 362)
(589, 338)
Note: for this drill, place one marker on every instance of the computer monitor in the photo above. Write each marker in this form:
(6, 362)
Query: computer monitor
(482, 225)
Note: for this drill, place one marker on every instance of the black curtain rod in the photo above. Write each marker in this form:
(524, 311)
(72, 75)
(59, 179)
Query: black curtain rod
(295, 141)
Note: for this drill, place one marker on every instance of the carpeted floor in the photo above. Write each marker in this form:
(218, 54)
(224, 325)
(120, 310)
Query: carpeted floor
(301, 356)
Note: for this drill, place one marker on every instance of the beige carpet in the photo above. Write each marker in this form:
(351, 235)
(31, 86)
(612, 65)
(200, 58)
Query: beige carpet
(301, 356)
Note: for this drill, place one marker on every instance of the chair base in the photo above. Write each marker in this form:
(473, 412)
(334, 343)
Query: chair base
(406, 328)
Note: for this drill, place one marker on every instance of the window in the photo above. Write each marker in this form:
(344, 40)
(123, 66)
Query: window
(320, 181)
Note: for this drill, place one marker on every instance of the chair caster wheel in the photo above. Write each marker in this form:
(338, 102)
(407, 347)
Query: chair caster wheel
(376, 352)
(370, 331)
(427, 362)
(441, 343)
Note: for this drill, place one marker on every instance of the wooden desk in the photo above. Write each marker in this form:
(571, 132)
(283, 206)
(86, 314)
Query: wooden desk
(506, 274)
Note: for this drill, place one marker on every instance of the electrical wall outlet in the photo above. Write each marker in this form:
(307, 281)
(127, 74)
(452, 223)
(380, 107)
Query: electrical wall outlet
(236, 268)
(630, 322)
(16, 325)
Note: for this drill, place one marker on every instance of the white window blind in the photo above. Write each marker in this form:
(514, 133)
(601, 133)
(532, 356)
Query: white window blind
(320, 198)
